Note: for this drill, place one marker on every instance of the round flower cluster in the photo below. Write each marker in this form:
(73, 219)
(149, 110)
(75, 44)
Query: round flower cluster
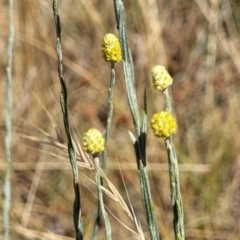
(163, 124)
(111, 49)
(161, 78)
(93, 141)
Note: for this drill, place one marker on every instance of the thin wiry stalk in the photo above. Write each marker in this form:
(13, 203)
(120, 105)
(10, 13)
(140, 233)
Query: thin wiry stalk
(147, 202)
(127, 65)
(168, 101)
(71, 149)
(110, 114)
(97, 221)
(176, 199)
(146, 197)
(100, 198)
(140, 125)
(8, 121)
(104, 164)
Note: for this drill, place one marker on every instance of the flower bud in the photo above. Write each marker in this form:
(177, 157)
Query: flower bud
(111, 49)
(160, 78)
(163, 124)
(93, 142)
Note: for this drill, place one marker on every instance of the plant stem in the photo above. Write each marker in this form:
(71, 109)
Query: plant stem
(176, 199)
(140, 125)
(100, 198)
(8, 122)
(104, 155)
(147, 203)
(168, 101)
(71, 149)
(110, 114)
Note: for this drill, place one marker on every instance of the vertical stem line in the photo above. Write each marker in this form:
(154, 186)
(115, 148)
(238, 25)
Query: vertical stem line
(176, 199)
(147, 203)
(110, 114)
(71, 148)
(8, 122)
(168, 101)
(100, 198)
(104, 154)
(140, 124)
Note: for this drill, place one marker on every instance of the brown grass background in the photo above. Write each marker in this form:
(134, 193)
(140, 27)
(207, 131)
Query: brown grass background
(198, 41)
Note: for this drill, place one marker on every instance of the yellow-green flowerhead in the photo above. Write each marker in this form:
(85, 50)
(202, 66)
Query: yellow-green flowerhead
(93, 142)
(163, 124)
(111, 49)
(161, 78)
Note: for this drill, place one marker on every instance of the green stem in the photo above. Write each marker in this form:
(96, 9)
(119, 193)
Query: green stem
(140, 126)
(8, 121)
(71, 149)
(110, 114)
(104, 164)
(127, 65)
(176, 199)
(168, 101)
(147, 203)
(100, 198)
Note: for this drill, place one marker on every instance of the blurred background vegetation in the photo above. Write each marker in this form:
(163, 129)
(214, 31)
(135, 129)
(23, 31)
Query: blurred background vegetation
(198, 41)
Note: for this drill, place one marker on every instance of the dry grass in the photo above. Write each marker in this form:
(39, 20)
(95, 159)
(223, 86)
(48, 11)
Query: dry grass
(200, 47)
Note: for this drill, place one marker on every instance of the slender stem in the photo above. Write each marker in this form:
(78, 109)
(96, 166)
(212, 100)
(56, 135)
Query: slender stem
(100, 198)
(8, 121)
(104, 155)
(96, 223)
(176, 199)
(110, 114)
(71, 149)
(127, 65)
(140, 125)
(147, 203)
(168, 101)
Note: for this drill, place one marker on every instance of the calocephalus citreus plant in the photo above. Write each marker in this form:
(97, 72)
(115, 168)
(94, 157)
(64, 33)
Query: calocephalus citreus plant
(111, 52)
(164, 125)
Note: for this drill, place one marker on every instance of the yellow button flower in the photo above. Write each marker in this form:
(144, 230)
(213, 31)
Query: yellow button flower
(93, 142)
(163, 124)
(111, 49)
(160, 78)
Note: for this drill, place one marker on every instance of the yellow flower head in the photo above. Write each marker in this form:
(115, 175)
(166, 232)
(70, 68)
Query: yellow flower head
(93, 141)
(111, 49)
(161, 78)
(163, 124)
